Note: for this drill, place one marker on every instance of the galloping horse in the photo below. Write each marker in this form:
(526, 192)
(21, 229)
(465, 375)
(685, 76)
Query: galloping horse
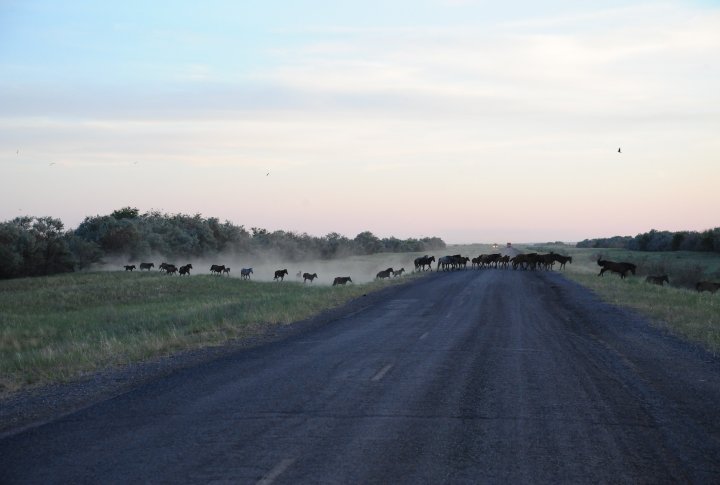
(245, 273)
(619, 268)
(281, 273)
(308, 276)
(341, 280)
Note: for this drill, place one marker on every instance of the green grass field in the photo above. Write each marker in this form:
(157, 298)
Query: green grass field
(56, 328)
(676, 307)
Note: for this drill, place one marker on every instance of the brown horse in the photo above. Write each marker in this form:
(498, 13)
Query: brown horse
(129, 267)
(281, 273)
(341, 280)
(308, 276)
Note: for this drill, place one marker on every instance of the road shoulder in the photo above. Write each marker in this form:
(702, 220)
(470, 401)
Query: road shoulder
(35, 406)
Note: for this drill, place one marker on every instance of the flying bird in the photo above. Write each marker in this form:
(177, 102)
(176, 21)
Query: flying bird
(267, 174)
(619, 150)
(52, 163)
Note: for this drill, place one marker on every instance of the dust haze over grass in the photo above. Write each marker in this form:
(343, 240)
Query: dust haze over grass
(56, 328)
(362, 269)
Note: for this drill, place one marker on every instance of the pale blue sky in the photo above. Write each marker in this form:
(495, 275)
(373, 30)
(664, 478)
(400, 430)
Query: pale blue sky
(452, 118)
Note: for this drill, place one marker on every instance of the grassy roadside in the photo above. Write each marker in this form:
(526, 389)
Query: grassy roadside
(678, 307)
(53, 329)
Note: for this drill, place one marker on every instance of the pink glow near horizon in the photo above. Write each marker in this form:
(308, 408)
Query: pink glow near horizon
(463, 122)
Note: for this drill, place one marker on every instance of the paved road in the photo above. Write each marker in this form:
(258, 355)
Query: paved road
(476, 376)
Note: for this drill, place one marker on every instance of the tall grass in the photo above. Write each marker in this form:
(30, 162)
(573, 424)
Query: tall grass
(676, 307)
(56, 328)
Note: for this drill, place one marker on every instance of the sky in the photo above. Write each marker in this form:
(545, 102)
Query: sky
(474, 121)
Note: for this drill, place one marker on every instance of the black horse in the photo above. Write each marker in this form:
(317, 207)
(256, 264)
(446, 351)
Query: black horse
(384, 274)
(620, 268)
(341, 280)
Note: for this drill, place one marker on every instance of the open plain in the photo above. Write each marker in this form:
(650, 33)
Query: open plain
(467, 376)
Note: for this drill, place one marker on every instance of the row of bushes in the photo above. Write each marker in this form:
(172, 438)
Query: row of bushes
(708, 240)
(32, 246)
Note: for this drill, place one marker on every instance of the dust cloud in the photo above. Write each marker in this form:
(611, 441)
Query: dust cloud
(361, 269)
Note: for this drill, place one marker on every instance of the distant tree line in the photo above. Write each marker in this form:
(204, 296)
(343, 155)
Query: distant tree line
(32, 246)
(708, 240)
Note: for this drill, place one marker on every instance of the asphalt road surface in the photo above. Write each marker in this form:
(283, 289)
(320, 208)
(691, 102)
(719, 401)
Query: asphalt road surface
(485, 376)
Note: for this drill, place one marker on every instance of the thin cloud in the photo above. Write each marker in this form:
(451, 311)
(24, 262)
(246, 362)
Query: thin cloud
(530, 112)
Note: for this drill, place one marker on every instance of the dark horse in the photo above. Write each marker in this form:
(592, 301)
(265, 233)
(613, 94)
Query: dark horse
(707, 286)
(658, 280)
(562, 260)
(619, 268)
(281, 273)
(129, 267)
(341, 280)
(308, 276)
(384, 274)
(423, 261)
